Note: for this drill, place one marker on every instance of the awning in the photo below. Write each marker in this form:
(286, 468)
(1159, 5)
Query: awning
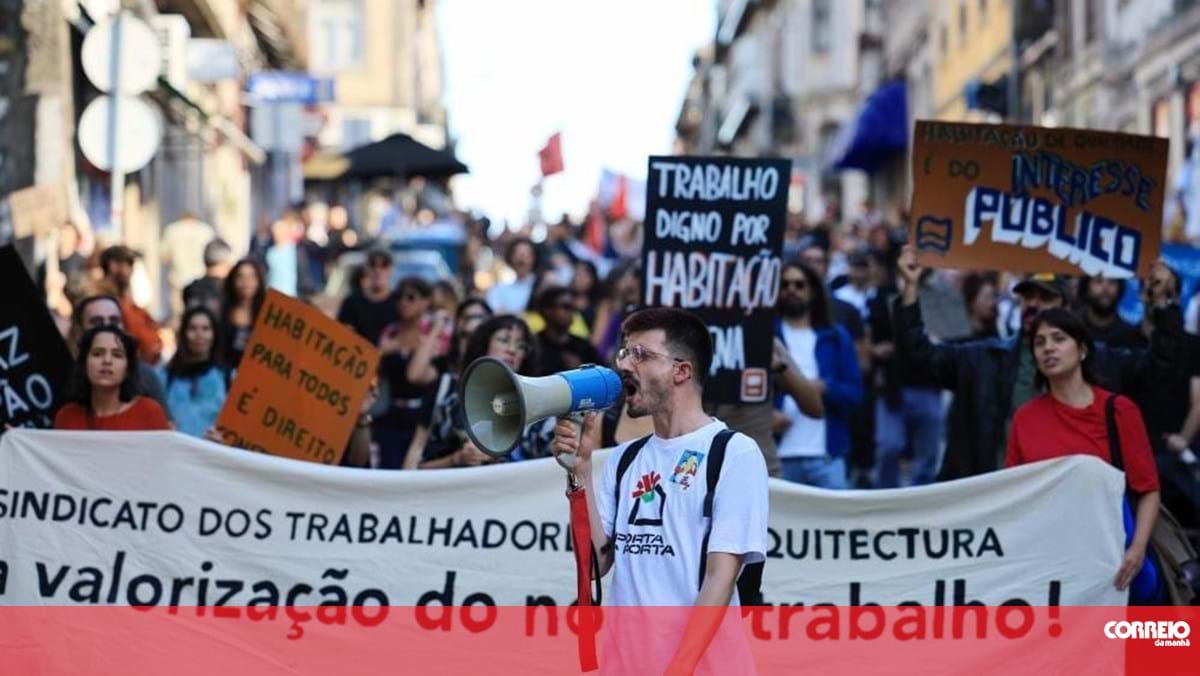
(877, 132)
(403, 156)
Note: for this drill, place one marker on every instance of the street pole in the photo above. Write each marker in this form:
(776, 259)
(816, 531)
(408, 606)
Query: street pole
(1014, 69)
(116, 175)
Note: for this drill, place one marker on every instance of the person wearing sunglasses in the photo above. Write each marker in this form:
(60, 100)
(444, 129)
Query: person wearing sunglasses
(370, 308)
(560, 349)
(813, 450)
(699, 544)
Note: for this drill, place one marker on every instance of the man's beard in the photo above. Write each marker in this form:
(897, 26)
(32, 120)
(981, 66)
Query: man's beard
(793, 309)
(1100, 308)
(651, 398)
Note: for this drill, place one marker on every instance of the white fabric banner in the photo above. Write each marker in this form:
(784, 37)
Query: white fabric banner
(158, 518)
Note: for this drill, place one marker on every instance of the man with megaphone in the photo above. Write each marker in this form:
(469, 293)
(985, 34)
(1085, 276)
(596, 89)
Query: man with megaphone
(680, 514)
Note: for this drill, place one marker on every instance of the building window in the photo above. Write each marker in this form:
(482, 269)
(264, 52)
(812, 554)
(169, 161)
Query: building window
(822, 26)
(982, 10)
(944, 39)
(962, 23)
(336, 35)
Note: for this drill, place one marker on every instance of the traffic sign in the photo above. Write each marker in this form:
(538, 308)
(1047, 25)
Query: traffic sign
(139, 58)
(139, 128)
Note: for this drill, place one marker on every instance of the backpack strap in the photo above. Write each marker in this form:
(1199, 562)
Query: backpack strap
(716, 458)
(627, 458)
(1114, 435)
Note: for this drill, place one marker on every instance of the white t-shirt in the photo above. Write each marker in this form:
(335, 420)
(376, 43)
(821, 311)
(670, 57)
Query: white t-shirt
(656, 547)
(660, 522)
(805, 438)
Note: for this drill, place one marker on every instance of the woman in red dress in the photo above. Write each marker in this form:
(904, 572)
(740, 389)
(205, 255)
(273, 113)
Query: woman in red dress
(1070, 419)
(104, 394)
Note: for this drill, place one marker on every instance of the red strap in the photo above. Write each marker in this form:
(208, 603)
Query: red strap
(581, 535)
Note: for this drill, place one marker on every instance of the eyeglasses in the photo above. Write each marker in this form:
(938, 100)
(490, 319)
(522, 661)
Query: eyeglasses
(474, 318)
(797, 284)
(379, 264)
(409, 297)
(638, 354)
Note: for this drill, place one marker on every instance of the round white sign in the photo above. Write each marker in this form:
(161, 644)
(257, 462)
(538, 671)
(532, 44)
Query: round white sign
(138, 131)
(139, 59)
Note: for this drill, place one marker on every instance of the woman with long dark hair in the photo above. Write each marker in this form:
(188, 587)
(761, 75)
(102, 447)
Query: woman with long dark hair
(195, 379)
(104, 392)
(1072, 417)
(241, 299)
(504, 337)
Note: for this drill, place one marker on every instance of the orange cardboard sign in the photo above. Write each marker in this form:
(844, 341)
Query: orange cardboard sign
(1034, 199)
(300, 385)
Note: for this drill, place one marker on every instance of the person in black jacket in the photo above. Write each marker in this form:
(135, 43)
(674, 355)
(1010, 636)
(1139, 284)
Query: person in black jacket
(992, 377)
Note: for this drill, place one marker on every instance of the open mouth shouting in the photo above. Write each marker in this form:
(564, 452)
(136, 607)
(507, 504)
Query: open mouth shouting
(631, 386)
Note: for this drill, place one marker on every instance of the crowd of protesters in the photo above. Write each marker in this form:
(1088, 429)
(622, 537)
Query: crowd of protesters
(886, 374)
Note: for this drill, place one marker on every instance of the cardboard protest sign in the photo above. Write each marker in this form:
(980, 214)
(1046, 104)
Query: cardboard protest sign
(1032, 199)
(300, 384)
(713, 241)
(35, 365)
(37, 210)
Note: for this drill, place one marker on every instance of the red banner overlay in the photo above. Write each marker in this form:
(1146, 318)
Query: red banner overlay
(1015, 639)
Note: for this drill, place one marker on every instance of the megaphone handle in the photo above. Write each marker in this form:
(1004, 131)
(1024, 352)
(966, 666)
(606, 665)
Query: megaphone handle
(567, 460)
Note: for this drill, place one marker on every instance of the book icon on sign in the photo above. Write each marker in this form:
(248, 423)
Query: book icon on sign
(934, 234)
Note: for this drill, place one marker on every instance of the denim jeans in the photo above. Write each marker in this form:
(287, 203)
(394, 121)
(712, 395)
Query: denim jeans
(821, 471)
(920, 422)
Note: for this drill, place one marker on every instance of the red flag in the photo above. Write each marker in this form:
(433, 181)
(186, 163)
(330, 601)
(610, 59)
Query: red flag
(618, 208)
(594, 229)
(550, 156)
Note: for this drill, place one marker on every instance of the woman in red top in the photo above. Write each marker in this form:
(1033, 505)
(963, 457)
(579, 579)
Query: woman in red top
(1070, 419)
(104, 387)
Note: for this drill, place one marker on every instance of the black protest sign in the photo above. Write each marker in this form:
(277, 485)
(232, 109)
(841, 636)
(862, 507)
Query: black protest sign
(35, 364)
(713, 240)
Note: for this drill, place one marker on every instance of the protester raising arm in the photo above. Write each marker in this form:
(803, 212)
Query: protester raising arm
(421, 370)
(938, 364)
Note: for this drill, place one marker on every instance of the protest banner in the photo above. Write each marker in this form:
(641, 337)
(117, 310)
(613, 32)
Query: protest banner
(37, 210)
(713, 241)
(1033, 199)
(198, 530)
(300, 384)
(35, 364)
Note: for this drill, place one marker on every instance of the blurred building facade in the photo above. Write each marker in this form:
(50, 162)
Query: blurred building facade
(205, 163)
(793, 78)
(778, 79)
(386, 63)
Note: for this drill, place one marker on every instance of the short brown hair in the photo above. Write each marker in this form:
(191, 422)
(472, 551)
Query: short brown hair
(686, 334)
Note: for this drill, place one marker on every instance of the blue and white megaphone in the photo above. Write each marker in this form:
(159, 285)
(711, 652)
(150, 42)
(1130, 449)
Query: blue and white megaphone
(498, 404)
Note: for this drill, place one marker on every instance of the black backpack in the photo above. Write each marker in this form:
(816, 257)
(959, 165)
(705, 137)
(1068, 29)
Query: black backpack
(749, 583)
